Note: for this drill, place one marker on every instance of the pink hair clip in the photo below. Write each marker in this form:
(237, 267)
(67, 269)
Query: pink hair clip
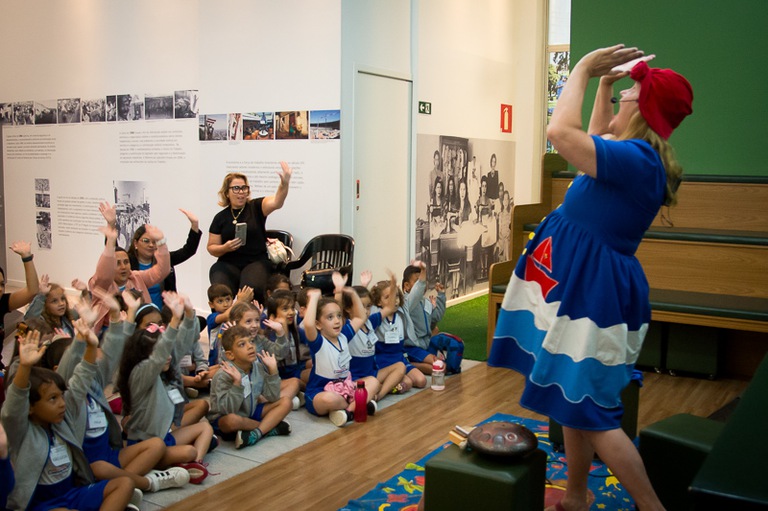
(154, 328)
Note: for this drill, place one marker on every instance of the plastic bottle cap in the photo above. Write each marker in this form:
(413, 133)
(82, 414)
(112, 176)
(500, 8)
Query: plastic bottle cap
(438, 365)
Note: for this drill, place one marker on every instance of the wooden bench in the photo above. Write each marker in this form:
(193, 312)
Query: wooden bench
(710, 268)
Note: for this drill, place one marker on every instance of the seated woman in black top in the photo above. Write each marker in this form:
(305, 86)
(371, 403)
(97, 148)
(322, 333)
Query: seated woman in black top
(142, 256)
(246, 264)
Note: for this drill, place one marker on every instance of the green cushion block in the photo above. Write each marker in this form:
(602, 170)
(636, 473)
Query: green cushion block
(673, 451)
(458, 479)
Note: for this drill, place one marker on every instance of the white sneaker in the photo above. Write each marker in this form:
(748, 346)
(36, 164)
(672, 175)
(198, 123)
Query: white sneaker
(295, 403)
(172, 477)
(339, 417)
(135, 503)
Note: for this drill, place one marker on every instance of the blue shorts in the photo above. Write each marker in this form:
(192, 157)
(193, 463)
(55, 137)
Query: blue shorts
(416, 354)
(98, 449)
(169, 440)
(83, 498)
(291, 371)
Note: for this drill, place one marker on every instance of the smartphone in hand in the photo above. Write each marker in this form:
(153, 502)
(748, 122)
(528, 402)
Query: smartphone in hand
(240, 230)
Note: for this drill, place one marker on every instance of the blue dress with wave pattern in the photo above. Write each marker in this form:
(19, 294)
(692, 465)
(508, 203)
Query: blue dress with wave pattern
(576, 308)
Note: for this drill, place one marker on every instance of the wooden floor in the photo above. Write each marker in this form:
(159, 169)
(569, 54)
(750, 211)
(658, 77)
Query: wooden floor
(327, 473)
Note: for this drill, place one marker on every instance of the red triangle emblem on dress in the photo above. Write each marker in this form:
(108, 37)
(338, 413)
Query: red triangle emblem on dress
(535, 274)
(543, 254)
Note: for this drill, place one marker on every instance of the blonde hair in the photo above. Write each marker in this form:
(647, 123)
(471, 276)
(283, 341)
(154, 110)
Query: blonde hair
(638, 128)
(223, 195)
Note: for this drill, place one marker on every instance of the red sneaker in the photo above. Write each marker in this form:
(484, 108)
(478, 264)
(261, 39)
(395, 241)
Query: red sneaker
(197, 472)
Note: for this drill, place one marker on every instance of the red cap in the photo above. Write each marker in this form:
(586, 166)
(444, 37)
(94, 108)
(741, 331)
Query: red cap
(665, 99)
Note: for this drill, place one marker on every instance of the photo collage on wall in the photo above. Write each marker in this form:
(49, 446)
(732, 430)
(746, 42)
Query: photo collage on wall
(181, 104)
(284, 125)
(464, 209)
(43, 213)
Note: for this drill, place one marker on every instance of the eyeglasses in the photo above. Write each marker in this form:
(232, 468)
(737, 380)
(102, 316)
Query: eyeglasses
(240, 189)
(146, 241)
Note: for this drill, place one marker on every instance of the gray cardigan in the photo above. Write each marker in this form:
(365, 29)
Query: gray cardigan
(29, 442)
(112, 349)
(228, 398)
(152, 411)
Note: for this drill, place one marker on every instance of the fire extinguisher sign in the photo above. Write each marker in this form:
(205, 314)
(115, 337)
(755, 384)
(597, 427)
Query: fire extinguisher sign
(506, 118)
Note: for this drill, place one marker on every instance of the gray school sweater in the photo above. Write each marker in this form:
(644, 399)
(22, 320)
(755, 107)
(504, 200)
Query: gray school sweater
(112, 349)
(226, 397)
(421, 321)
(152, 411)
(28, 442)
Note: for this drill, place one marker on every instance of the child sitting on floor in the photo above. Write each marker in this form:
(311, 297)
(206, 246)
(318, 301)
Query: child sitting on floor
(330, 390)
(362, 346)
(281, 307)
(220, 302)
(103, 443)
(45, 426)
(245, 395)
(424, 315)
(152, 399)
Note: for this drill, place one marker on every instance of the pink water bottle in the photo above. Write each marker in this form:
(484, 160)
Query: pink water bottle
(361, 402)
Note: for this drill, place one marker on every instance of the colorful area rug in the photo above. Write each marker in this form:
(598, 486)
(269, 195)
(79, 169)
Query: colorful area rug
(402, 492)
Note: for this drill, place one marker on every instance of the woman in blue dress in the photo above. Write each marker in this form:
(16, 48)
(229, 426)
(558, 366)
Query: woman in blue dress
(576, 309)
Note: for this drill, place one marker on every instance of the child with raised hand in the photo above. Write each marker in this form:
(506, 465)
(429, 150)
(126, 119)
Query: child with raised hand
(192, 411)
(392, 333)
(246, 404)
(103, 443)
(248, 315)
(423, 313)
(51, 305)
(281, 308)
(330, 390)
(362, 346)
(153, 400)
(220, 302)
(45, 426)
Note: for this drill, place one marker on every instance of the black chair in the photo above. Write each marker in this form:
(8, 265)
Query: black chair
(284, 236)
(327, 251)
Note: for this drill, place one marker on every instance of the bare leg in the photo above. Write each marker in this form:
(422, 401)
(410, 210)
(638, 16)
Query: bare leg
(418, 378)
(579, 453)
(117, 494)
(194, 411)
(326, 402)
(618, 452)
(389, 377)
(198, 435)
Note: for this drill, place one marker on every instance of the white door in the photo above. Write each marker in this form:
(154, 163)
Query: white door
(382, 174)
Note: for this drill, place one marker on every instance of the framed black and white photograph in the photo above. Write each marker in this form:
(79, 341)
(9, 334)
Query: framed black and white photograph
(132, 205)
(185, 104)
(158, 106)
(130, 107)
(24, 113)
(69, 110)
(46, 112)
(43, 234)
(92, 110)
(110, 108)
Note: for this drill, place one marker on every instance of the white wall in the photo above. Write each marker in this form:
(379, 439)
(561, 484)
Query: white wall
(242, 56)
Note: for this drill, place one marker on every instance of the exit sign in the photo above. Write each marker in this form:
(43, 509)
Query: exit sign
(425, 108)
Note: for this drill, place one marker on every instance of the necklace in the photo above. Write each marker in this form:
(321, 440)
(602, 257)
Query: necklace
(236, 216)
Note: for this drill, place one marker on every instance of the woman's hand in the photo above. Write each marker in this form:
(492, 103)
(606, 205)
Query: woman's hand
(193, 220)
(22, 248)
(109, 212)
(154, 232)
(602, 61)
(110, 232)
(285, 175)
(233, 244)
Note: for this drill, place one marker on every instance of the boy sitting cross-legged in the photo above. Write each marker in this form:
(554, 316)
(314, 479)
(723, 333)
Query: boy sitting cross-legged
(245, 394)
